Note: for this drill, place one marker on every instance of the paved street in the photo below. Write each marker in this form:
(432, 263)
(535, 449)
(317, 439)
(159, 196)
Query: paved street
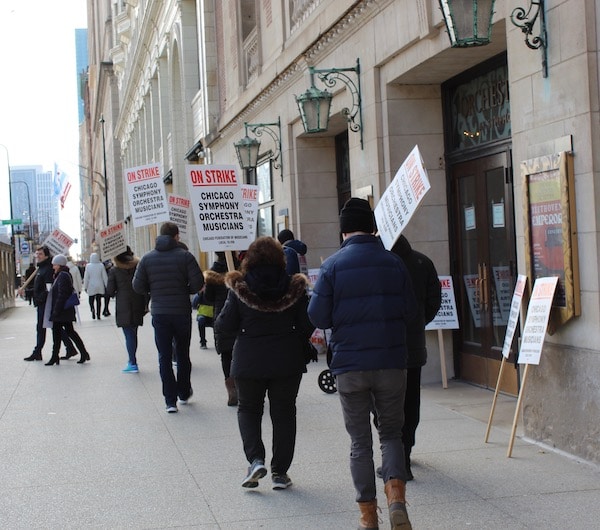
(85, 446)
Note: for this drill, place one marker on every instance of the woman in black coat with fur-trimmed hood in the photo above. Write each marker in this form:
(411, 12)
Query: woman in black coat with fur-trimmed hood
(130, 307)
(267, 309)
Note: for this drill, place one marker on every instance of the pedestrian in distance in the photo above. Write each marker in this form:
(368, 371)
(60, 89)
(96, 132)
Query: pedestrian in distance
(29, 287)
(108, 264)
(266, 308)
(204, 314)
(295, 252)
(76, 275)
(364, 295)
(94, 283)
(169, 274)
(62, 317)
(41, 285)
(130, 307)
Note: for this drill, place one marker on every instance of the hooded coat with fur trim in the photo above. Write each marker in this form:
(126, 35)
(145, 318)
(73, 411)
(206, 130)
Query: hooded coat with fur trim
(215, 294)
(130, 307)
(267, 310)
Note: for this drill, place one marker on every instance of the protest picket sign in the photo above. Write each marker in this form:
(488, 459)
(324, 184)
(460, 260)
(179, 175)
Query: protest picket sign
(513, 318)
(250, 206)
(58, 242)
(147, 196)
(534, 333)
(446, 318)
(401, 198)
(179, 208)
(218, 207)
(112, 240)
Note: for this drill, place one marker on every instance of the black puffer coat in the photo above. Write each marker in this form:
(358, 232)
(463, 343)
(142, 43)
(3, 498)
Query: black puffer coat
(45, 274)
(215, 293)
(62, 288)
(130, 306)
(267, 310)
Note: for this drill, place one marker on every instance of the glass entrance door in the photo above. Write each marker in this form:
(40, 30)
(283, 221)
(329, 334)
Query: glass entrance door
(485, 268)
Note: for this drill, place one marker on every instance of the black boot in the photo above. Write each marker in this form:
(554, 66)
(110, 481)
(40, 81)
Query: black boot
(53, 360)
(34, 357)
(85, 356)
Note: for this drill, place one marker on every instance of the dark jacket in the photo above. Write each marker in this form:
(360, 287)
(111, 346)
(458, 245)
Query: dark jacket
(45, 274)
(170, 274)
(130, 306)
(215, 293)
(267, 310)
(294, 251)
(62, 288)
(428, 292)
(364, 294)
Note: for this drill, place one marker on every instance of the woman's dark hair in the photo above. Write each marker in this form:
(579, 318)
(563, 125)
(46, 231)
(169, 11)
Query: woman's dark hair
(263, 251)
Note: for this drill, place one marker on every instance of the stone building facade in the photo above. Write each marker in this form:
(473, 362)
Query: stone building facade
(187, 76)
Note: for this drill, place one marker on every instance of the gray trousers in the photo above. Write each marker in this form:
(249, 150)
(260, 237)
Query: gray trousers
(359, 393)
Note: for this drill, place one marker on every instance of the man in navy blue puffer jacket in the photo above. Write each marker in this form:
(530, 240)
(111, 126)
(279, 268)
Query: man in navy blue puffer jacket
(364, 294)
(170, 274)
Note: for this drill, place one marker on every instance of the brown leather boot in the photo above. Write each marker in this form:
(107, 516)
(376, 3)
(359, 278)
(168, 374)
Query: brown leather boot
(395, 491)
(232, 399)
(368, 515)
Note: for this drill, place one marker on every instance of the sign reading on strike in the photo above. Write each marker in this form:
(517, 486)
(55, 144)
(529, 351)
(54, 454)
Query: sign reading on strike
(147, 196)
(58, 242)
(179, 208)
(447, 316)
(536, 322)
(250, 198)
(401, 198)
(218, 206)
(112, 240)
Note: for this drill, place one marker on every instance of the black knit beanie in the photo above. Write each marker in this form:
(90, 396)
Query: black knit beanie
(356, 216)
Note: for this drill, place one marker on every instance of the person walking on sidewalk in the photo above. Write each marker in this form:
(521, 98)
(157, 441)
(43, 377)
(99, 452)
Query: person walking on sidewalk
(266, 308)
(43, 279)
(170, 274)
(94, 283)
(62, 317)
(364, 294)
(130, 307)
(295, 252)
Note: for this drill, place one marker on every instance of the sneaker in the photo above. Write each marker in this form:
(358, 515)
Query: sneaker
(185, 401)
(379, 472)
(130, 369)
(172, 409)
(280, 482)
(256, 471)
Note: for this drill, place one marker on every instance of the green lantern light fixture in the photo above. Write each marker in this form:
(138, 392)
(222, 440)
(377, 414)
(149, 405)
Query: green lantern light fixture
(247, 149)
(469, 22)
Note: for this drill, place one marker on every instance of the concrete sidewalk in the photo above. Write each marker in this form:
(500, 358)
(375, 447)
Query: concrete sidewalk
(86, 446)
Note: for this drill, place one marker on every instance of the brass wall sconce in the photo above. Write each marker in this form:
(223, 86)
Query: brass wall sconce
(526, 20)
(315, 104)
(469, 22)
(247, 149)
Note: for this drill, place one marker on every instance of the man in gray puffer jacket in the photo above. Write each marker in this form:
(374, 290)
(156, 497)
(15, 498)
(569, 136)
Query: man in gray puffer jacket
(170, 274)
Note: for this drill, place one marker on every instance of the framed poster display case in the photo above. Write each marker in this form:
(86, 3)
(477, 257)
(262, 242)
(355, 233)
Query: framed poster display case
(551, 231)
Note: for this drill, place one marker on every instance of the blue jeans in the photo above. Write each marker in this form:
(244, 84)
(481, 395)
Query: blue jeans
(282, 393)
(131, 343)
(169, 328)
(359, 392)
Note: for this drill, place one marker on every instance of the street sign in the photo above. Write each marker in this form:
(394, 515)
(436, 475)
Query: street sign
(12, 221)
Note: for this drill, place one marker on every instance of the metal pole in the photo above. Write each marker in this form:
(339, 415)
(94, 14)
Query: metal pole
(105, 179)
(28, 205)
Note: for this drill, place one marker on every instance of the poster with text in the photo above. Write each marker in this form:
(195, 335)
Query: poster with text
(401, 198)
(502, 284)
(218, 207)
(472, 289)
(447, 315)
(515, 311)
(112, 240)
(147, 196)
(58, 242)
(250, 205)
(179, 208)
(536, 322)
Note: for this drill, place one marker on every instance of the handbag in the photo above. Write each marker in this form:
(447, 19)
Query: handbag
(72, 301)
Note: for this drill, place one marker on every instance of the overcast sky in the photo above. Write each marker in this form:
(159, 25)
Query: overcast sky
(38, 92)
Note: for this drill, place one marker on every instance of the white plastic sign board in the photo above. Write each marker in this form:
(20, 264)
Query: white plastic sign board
(515, 311)
(58, 242)
(218, 206)
(447, 315)
(179, 208)
(147, 196)
(401, 198)
(112, 240)
(250, 205)
(536, 322)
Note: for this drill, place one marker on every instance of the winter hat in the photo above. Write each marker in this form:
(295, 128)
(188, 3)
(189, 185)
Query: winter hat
(59, 259)
(285, 235)
(356, 216)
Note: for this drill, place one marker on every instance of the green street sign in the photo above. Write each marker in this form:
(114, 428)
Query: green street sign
(12, 221)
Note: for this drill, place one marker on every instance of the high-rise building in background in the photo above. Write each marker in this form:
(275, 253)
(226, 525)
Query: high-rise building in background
(81, 61)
